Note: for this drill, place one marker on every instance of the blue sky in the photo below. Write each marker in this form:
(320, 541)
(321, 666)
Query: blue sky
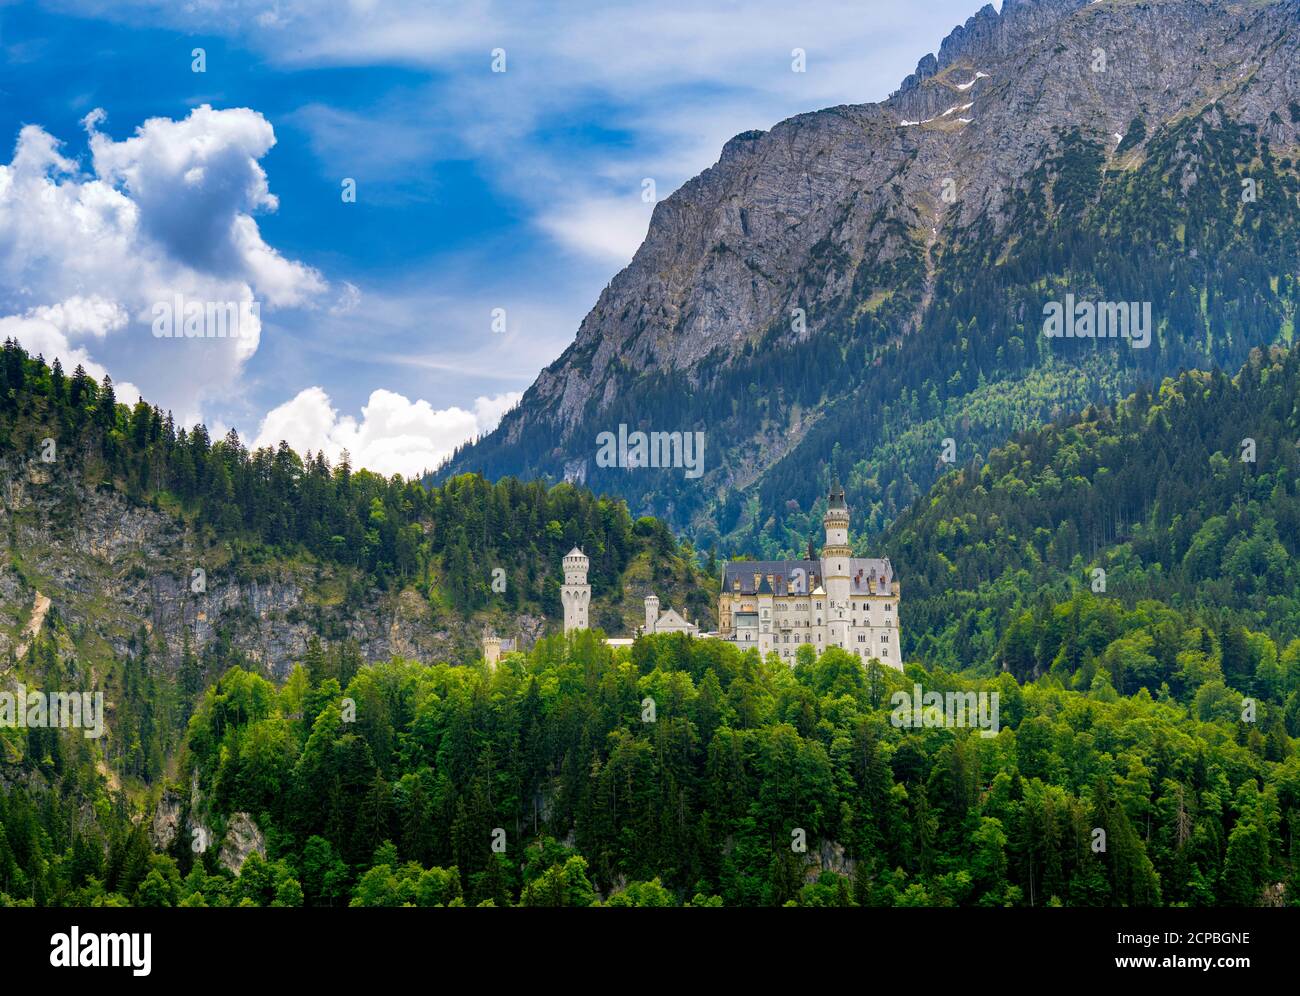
(475, 190)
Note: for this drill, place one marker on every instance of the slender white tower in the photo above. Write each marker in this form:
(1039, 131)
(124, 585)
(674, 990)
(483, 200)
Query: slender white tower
(836, 555)
(491, 649)
(651, 613)
(575, 595)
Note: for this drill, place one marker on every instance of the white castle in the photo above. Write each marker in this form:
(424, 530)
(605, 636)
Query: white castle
(838, 601)
(774, 605)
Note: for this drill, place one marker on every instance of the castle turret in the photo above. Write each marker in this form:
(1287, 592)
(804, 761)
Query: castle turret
(836, 519)
(575, 595)
(651, 613)
(491, 649)
(836, 558)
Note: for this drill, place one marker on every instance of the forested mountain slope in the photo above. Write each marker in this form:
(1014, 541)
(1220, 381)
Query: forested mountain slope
(543, 784)
(1188, 496)
(143, 559)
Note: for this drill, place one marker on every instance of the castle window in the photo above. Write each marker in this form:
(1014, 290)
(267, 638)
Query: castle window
(862, 637)
(888, 607)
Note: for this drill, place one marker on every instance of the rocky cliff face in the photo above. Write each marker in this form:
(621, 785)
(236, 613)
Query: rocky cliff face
(105, 568)
(831, 215)
(731, 253)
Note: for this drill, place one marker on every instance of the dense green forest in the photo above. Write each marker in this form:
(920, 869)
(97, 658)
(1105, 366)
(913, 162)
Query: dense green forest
(272, 507)
(1158, 715)
(393, 790)
(1189, 495)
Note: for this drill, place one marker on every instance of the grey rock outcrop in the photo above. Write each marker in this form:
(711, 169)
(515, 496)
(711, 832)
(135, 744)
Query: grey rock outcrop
(109, 567)
(243, 838)
(166, 820)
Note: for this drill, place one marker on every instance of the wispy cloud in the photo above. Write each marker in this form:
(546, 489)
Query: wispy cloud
(594, 97)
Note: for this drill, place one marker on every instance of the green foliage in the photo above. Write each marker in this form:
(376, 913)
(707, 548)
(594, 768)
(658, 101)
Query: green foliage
(389, 532)
(999, 564)
(404, 805)
(1156, 719)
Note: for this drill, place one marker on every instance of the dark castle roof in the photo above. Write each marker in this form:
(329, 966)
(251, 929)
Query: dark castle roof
(861, 572)
(836, 498)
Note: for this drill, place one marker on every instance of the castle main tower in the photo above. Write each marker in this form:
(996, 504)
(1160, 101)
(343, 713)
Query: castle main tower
(575, 595)
(836, 556)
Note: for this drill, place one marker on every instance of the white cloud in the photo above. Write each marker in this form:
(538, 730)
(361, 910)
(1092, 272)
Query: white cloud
(488, 412)
(348, 300)
(78, 315)
(166, 212)
(609, 228)
(394, 435)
